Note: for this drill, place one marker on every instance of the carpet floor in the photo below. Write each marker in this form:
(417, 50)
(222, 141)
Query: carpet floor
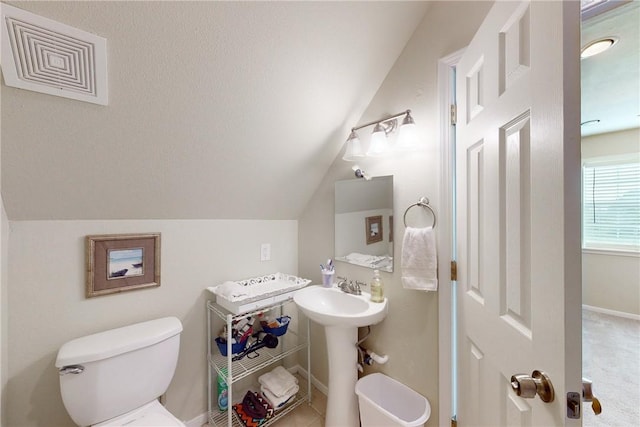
(611, 359)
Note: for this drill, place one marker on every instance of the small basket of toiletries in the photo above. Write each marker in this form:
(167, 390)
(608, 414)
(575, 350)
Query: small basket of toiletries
(241, 330)
(236, 347)
(277, 327)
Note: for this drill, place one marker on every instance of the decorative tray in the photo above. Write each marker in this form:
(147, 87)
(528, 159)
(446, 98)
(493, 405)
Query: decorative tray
(251, 294)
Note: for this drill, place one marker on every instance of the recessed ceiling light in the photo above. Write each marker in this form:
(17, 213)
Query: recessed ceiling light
(590, 122)
(598, 46)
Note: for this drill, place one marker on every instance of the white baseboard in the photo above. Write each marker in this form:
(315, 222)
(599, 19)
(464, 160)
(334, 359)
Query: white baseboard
(197, 421)
(304, 374)
(611, 312)
(297, 369)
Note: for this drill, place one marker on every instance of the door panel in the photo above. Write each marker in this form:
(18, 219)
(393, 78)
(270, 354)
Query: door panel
(515, 230)
(517, 160)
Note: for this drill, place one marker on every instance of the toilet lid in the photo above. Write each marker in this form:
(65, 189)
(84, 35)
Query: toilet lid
(152, 414)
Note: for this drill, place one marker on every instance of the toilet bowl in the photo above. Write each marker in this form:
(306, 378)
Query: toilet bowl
(114, 378)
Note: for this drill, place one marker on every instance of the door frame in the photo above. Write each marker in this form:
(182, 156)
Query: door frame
(446, 186)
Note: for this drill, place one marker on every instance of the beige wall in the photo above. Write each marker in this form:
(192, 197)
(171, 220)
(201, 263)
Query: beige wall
(609, 280)
(4, 312)
(48, 307)
(4, 345)
(409, 334)
(3, 298)
(610, 144)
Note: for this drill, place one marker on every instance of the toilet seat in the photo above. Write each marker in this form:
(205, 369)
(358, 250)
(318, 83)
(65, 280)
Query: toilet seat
(152, 414)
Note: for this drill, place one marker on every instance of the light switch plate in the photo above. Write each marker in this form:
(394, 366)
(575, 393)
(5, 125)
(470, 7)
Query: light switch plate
(265, 252)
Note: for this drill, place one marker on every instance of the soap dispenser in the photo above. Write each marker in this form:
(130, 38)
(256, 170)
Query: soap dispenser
(377, 292)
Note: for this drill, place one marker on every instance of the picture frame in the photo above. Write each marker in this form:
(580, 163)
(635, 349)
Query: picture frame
(121, 262)
(373, 229)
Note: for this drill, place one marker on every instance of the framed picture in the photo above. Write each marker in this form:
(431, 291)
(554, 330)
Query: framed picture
(122, 262)
(373, 229)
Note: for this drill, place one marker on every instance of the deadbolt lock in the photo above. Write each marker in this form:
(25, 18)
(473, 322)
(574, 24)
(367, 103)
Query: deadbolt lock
(528, 386)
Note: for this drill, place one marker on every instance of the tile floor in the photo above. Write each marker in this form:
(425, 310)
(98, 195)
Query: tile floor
(306, 415)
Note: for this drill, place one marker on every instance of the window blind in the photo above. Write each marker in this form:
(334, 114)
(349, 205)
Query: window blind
(611, 205)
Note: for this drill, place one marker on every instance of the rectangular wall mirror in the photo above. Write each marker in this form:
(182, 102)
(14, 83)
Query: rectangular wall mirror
(364, 222)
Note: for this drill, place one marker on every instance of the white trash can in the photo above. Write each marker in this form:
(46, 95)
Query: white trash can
(386, 402)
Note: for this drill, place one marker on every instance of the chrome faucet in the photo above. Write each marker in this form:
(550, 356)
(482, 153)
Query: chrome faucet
(349, 287)
(342, 283)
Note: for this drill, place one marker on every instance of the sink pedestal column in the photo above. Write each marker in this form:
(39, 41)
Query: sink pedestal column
(341, 314)
(342, 401)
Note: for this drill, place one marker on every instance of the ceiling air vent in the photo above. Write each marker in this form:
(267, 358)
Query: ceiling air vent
(46, 56)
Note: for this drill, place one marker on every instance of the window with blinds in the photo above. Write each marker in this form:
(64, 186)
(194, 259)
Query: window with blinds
(611, 205)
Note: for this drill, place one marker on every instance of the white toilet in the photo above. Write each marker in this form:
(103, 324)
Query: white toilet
(114, 378)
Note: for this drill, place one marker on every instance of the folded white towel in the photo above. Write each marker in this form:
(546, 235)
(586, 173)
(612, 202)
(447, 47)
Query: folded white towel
(275, 401)
(357, 257)
(419, 263)
(279, 381)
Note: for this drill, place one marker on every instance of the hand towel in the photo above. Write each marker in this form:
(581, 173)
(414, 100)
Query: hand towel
(419, 262)
(275, 401)
(279, 381)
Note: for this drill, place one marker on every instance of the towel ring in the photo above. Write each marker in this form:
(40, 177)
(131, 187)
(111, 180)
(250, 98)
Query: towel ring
(424, 203)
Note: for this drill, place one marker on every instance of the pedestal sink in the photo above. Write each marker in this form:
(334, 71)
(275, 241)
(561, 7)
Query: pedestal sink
(341, 314)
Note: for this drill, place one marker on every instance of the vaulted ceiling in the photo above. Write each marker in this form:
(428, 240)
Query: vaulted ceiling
(216, 109)
(234, 109)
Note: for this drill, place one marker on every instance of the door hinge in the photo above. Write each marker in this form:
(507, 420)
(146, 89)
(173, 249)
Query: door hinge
(454, 114)
(454, 270)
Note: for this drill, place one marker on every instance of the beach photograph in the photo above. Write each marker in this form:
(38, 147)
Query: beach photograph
(125, 263)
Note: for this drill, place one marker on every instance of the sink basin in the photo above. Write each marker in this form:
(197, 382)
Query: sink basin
(333, 307)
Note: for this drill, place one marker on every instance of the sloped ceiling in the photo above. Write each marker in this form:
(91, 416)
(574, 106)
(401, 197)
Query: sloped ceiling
(216, 109)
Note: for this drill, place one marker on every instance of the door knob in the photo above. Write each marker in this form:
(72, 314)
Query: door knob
(528, 386)
(587, 396)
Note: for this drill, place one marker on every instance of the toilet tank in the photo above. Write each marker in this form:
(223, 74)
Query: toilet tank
(110, 373)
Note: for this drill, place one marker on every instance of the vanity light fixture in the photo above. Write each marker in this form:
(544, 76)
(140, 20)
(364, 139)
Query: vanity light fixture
(379, 144)
(408, 138)
(354, 148)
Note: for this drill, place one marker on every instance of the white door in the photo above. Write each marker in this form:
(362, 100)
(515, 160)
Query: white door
(518, 213)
